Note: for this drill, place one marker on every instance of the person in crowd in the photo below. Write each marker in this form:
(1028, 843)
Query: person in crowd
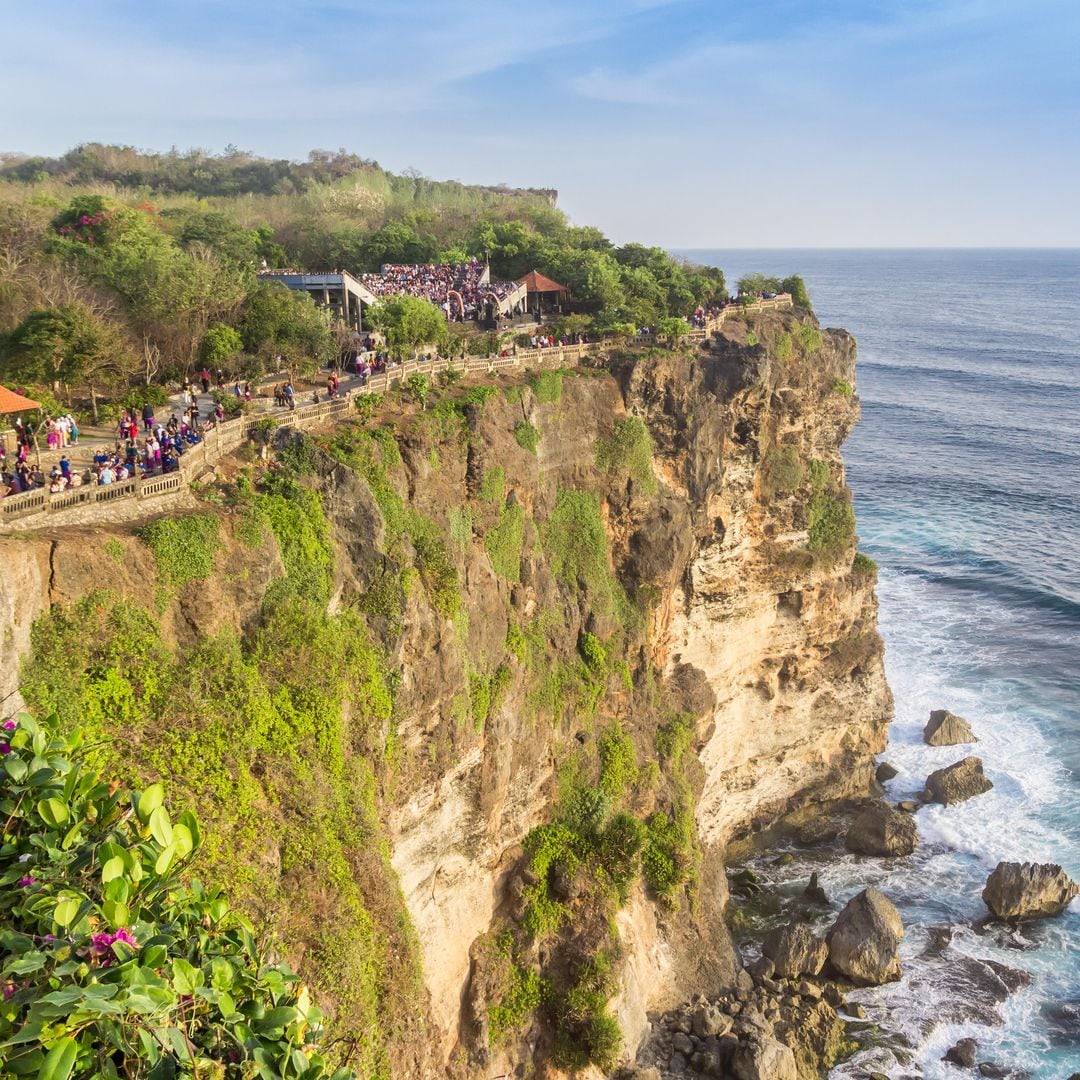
(204, 378)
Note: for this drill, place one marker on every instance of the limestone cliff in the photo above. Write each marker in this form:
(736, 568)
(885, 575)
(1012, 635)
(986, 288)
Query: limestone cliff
(632, 584)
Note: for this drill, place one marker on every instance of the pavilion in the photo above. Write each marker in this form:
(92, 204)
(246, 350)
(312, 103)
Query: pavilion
(543, 293)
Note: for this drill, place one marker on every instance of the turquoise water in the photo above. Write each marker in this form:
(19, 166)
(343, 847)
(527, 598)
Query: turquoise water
(966, 474)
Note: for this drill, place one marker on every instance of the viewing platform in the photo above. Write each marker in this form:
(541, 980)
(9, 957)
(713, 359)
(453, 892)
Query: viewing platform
(87, 504)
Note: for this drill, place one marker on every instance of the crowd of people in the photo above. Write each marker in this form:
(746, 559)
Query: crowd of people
(438, 282)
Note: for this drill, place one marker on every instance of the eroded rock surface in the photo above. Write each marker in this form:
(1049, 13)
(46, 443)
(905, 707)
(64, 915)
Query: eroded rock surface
(865, 939)
(958, 782)
(947, 729)
(1028, 890)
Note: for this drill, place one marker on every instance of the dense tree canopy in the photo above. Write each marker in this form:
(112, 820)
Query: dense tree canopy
(148, 270)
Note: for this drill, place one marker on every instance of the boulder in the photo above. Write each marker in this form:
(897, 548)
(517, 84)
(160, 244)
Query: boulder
(947, 729)
(864, 941)
(794, 951)
(962, 1054)
(708, 1021)
(957, 783)
(763, 1059)
(1028, 890)
(885, 772)
(909, 806)
(881, 830)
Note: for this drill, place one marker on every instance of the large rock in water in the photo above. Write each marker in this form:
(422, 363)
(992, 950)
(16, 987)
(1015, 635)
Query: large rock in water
(1028, 890)
(947, 729)
(881, 830)
(958, 782)
(764, 1059)
(794, 950)
(864, 941)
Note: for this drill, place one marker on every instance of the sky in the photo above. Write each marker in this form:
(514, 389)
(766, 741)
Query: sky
(685, 123)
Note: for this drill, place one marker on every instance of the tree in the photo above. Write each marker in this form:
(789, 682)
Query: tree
(797, 287)
(65, 345)
(753, 285)
(281, 322)
(409, 322)
(674, 329)
(219, 344)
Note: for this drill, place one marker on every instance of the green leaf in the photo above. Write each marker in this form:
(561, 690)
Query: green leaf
(116, 914)
(149, 801)
(222, 973)
(277, 1018)
(60, 1060)
(186, 978)
(188, 818)
(66, 911)
(53, 812)
(164, 860)
(151, 1051)
(29, 961)
(182, 840)
(161, 826)
(72, 835)
(119, 890)
(112, 869)
(15, 767)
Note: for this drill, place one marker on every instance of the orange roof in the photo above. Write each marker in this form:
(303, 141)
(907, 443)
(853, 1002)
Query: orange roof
(535, 282)
(12, 402)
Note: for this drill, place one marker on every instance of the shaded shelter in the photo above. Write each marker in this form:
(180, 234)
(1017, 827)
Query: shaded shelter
(543, 294)
(10, 402)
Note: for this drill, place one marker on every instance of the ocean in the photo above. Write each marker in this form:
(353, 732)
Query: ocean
(966, 475)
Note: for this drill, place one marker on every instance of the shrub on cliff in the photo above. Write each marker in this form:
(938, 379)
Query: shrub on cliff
(629, 448)
(113, 965)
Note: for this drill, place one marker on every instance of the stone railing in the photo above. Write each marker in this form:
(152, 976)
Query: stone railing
(230, 434)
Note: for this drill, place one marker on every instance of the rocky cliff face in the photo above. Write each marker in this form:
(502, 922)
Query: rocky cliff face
(632, 585)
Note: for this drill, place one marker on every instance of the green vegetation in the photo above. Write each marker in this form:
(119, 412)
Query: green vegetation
(493, 484)
(576, 542)
(504, 541)
(843, 387)
(158, 280)
(522, 993)
(587, 860)
(783, 470)
(830, 517)
(246, 727)
(183, 547)
(863, 567)
(110, 959)
(809, 338)
(527, 436)
(219, 345)
(629, 449)
(461, 527)
(784, 346)
(754, 284)
(547, 386)
(418, 387)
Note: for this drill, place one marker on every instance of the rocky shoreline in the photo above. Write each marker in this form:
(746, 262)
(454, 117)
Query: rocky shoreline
(790, 1016)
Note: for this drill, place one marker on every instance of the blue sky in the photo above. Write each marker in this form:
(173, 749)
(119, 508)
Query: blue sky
(679, 122)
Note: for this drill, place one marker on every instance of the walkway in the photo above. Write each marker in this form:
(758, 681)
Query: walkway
(36, 509)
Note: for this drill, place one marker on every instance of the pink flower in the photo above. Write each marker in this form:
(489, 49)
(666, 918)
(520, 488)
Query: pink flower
(9, 990)
(5, 748)
(10, 725)
(26, 882)
(101, 945)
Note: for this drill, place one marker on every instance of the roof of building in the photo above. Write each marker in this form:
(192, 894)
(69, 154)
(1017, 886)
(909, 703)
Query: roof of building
(12, 402)
(536, 282)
